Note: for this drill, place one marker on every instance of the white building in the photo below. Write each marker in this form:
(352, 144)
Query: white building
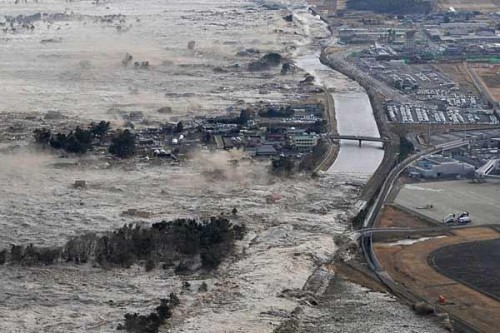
(437, 166)
(304, 142)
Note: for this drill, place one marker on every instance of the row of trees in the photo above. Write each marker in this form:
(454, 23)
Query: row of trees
(80, 140)
(176, 240)
(283, 112)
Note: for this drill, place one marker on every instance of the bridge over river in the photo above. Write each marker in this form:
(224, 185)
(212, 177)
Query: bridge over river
(359, 138)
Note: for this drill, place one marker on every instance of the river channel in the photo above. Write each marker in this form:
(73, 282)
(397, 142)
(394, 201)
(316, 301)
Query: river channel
(354, 116)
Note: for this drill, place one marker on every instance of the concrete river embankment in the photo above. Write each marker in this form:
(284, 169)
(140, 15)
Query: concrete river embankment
(354, 116)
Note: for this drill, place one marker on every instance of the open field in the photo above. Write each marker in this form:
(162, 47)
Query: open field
(392, 217)
(447, 197)
(408, 265)
(484, 5)
(458, 73)
(477, 265)
(490, 76)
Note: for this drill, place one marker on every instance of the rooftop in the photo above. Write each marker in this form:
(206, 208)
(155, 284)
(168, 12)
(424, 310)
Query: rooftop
(438, 159)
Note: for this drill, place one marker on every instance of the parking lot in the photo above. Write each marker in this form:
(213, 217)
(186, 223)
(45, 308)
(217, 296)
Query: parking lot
(417, 114)
(438, 99)
(447, 197)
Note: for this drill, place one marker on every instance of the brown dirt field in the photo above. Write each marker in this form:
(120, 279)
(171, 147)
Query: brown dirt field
(458, 73)
(491, 79)
(484, 5)
(408, 266)
(393, 217)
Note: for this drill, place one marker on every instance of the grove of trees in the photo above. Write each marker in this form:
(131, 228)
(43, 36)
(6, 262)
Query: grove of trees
(81, 140)
(77, 141)
(123, 145)
(136, 323)
(178, 240)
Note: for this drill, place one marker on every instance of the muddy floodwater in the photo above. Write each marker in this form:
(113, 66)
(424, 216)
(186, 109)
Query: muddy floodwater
(68, 57)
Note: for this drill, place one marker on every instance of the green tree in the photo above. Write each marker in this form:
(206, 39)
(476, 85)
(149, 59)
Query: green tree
(58, 141)
(282, 166)
(245, 115)
(406, 148)
(42, 135)
(272, 58)
(123, 145)
(179, 128)
(99, 130)
(84, 138)
(78, 141)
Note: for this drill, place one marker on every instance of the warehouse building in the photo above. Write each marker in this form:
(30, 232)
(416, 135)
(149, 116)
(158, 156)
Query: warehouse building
(437, 166)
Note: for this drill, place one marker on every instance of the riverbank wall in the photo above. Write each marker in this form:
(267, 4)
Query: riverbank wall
(391, 148)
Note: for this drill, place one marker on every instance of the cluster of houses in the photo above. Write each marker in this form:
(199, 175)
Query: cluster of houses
(269, 142)
(294, 135)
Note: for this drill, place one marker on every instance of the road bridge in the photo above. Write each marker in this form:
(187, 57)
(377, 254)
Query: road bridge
(358, 138)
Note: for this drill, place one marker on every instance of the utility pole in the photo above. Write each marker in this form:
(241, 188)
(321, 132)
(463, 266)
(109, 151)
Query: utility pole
(463, 156)
(465, 130)
(429, 134)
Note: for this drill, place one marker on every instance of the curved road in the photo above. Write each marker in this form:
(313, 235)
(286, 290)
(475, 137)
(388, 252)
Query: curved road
(368, 229)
